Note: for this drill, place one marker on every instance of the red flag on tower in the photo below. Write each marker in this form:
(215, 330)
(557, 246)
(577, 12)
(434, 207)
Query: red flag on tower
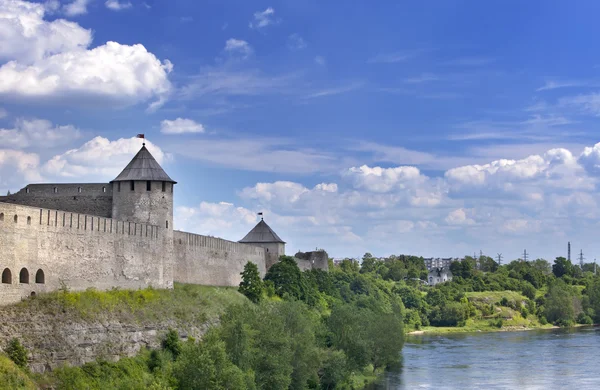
(140, 136)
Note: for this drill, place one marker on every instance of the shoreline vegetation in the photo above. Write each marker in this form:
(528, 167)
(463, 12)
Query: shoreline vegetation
(312, 329)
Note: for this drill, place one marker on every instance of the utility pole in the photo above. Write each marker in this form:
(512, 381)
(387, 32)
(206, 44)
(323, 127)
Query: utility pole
(525, 254)
(569, 251)
(499, 259)
(581, 259)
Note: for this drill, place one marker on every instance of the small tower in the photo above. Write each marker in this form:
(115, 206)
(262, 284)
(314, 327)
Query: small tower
(262, 235)
(143, 192)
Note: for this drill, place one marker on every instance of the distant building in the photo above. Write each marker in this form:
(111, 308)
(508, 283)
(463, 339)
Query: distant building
(439, 262)
(439, 275)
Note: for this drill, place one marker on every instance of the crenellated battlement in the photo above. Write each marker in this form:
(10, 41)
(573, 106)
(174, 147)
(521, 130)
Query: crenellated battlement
(192, 239)
(43, 219)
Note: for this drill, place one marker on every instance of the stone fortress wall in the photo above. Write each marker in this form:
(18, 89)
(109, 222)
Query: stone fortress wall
(91, 199)
(213, 261)
(119, 234)
(43, 250)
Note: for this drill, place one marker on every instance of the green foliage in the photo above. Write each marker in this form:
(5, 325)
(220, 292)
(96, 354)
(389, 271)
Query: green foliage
(13, 377)
(206, 366)
(562, 267)
(16, 352)
(172, 343)
(286, 278)
(559, 306)
(584, 319)
(251, 285)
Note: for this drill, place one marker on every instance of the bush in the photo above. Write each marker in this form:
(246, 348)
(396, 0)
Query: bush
(172, 343)
(584, 319)
(17, 352)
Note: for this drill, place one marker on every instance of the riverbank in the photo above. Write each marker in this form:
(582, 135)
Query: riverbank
(429, 330)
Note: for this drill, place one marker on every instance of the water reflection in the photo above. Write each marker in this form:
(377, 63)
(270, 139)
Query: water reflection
(553, 359)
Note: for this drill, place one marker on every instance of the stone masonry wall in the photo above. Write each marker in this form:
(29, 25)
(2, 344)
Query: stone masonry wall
(78, 251)
(312, 260)
(213, 261)
(92, 199)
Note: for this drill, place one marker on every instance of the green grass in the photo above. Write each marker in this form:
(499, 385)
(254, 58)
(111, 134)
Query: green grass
(13, 377)
(495, 296)
(184, 303)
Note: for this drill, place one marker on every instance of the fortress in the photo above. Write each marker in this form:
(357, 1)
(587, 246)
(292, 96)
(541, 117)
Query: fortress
(119, 234)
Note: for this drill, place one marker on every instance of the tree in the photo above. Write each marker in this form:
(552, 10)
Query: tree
(559, 305)
(251, 285)
(16, 352)
(172, 343)
(286, 277)
(562, 267)
(205, 366)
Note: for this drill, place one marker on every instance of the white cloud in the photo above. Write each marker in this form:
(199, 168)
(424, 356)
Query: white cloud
(587, 103)
(296, 42)
(116, 5)
(377, 179)
(98, 159)
(352, 86)
(263, 19)
(76, 7)
(180, 126)
(26, 37)
(259, 154)
(221, 219)
(238, 46)
(225, 82)
(37, 133)
(16, 168)
(51, 60)
(459, 217)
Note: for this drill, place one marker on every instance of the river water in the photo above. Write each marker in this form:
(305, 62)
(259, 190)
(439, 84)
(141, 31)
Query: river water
(545, 359)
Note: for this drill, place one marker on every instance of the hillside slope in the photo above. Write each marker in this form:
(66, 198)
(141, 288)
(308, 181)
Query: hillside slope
(79, 327)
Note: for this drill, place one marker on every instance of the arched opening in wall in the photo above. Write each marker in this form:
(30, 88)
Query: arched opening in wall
(78, 189)
(148, 185)
(39, 277)
(6, 276)
(16, 219)
(27, 190)
(24, 276)
(55, 190)
(119, 186)
(103, 189)
(164, 186)
(28, 220)
(167, 224)
(33, 294)
(1, 217)
(132, 184)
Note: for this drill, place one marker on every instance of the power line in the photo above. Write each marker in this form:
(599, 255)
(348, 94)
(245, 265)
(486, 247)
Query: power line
(499, 259)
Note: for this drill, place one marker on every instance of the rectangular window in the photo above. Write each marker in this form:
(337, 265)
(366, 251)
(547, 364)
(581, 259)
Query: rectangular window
(118, 186)
(164, 186)
(148, 185)
(132, 185)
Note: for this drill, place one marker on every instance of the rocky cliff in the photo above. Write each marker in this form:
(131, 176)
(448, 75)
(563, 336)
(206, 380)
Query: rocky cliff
(75, 328)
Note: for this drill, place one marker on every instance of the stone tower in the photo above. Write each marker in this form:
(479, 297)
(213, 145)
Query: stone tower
(262, 235)
(143, 193)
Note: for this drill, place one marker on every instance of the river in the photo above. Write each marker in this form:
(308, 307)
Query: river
(544, 359)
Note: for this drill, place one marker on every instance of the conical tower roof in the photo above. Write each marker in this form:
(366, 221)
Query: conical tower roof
(261, 233)
(143, 167)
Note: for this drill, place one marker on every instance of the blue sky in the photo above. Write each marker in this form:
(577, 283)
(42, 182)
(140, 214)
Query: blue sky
(430, 128)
